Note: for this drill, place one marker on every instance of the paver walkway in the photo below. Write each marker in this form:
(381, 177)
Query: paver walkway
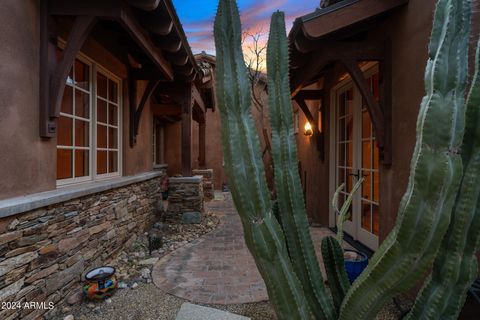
(218, 268)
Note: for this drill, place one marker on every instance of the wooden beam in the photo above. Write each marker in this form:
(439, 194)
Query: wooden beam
(131, 25)
(373, 107)
(166, 110)
(151, 85)
(347, 16)
(329, 52)
(310, 94)
(385, 73)
(178, 59)
(169, 43)
(147, 5)
(104, 8)
(77, 36)
(160, 27)
(197, 98)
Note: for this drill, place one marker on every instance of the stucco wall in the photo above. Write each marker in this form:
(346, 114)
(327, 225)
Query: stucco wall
(173, 150)
(26, 161)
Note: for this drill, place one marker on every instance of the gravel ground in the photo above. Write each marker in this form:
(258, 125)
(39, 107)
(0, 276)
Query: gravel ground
(147, 302)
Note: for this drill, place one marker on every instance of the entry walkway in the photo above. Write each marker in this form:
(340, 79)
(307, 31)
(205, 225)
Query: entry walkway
(218, 268)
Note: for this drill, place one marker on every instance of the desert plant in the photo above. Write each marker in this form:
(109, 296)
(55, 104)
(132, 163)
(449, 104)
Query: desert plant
(439, 215)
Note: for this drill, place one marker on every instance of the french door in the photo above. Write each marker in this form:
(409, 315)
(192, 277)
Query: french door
(354, 154)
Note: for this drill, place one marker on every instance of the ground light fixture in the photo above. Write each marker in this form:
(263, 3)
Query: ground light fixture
(308, 131)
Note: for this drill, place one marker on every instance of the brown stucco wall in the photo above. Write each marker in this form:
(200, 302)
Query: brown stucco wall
(28, 162)
(173, 150)
(25, 159)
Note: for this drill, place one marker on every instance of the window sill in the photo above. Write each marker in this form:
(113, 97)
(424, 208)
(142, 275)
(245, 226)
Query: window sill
(12, 206)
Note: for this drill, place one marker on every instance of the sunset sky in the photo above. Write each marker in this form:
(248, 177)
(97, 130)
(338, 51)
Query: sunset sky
(197, 17)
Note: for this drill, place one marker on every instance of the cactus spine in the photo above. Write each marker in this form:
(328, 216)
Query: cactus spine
(426, 230)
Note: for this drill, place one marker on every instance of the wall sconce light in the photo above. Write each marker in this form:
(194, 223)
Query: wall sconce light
(308, 129)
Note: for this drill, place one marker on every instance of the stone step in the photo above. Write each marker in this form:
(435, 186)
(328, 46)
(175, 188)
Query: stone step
(190, 311)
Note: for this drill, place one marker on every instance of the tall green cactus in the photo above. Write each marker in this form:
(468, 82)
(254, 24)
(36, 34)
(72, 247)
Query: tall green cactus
(438, 184)
(244, 167)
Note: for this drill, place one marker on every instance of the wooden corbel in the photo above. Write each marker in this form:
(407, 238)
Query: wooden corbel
(53, 74)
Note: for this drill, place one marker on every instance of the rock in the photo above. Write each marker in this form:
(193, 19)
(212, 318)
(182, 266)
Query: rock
(108, 300)
(193, 217)
(11, 289)
(17, 261)
(91, 305)
(122, 285)
(10, 236)
(145, 273)
(69, 317)
(147, 262)
(134, 285)
(13, 225)
(66, 309)
(160, 226)
(75, 297)
(190, 311)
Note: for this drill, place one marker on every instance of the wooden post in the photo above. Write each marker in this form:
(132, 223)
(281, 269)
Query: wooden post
(187, 132)
(201, 144)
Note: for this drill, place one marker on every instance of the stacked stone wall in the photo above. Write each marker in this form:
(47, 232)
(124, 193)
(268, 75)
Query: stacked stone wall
(45, 253)
(208, 184)
(185, 194)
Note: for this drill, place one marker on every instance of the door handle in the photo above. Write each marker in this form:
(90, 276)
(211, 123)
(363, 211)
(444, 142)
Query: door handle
(356, 175)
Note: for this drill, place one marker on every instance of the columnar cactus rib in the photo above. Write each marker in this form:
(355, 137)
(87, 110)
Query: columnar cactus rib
(455, 267)
(334, 261)
(245, 170)
(436, 170)
(287, 181)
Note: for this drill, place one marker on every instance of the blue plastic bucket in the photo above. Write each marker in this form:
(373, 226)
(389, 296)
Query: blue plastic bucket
(355, 267)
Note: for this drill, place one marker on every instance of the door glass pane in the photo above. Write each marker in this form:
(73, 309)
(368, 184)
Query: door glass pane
(81, 163)
(367, 185)
(65, 131)
(366, 154)
(101, 162)
(81, 133)
(375, 219)
(64, 164)
(349, 155)
(366, 125)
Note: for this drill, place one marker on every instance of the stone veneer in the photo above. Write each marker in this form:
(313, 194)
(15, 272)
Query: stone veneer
(44, 253)
(185, 194)
(208, 188)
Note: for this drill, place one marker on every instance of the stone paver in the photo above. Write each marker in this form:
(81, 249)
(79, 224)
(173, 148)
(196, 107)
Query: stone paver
(218, 268)
(190, 311)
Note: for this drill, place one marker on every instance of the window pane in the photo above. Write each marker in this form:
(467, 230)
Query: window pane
(349, 155)
(112, 114)
(101, 136)
(101, 85)
(101, 162)
(64, 164)
(82, 75)
(81, 163)
(112, 161)
(376, 218)
(112, 138)
(349, 124)
(81, 133)
(65, 130)
(82, 104)
(101, 111)
(67, 105)
(376, 186)
(366, 125)
(112, 91)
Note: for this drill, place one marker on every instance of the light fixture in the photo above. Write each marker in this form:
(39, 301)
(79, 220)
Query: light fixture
(308, 129)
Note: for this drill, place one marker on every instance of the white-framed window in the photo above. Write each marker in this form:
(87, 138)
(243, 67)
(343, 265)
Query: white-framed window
(89, 126)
